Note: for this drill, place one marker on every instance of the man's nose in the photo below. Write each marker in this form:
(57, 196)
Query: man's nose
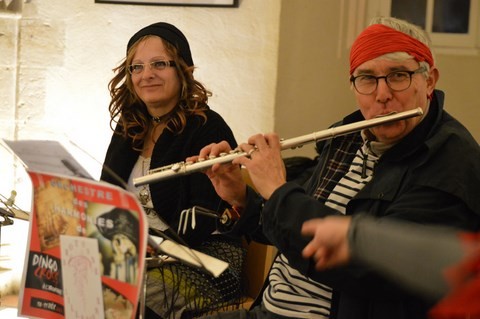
(383, 92)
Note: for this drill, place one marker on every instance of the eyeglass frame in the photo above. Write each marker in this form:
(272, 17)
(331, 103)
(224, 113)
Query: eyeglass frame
(410, 73)
(168, 63)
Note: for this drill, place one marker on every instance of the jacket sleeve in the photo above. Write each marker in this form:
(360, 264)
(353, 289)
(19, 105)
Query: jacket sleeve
(197, 188)
(250, 224)
(119, 160)
(382, 244)
(289, 207)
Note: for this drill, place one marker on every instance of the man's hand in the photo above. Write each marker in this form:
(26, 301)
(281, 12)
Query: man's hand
(264, 163)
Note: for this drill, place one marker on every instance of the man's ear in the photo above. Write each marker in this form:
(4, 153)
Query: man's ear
(433, 76)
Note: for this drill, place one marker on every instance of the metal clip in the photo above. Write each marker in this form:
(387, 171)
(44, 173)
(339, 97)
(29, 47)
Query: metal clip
(185, 216)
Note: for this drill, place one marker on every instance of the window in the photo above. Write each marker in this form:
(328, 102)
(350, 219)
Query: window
(453, 25)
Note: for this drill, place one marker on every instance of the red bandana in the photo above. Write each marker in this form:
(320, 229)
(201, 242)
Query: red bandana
(378, 39)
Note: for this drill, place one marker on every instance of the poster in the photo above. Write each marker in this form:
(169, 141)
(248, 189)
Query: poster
(83, 254)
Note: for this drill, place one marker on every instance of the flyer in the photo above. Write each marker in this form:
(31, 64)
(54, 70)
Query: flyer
(83, 252)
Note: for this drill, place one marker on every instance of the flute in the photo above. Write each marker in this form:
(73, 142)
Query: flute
(183, 168)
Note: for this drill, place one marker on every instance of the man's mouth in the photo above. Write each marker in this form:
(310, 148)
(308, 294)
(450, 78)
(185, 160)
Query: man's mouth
(386, 114)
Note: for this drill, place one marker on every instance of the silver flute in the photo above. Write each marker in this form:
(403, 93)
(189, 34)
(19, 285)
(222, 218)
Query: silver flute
(184, 168)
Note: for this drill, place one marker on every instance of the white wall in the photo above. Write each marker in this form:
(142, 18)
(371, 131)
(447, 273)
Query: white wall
(59, 56)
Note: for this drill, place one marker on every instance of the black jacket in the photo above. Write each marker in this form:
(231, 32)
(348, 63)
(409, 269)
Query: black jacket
(173, 195)
(432, 176)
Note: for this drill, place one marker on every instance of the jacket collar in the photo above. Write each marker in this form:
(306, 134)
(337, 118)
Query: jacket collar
(416, 138)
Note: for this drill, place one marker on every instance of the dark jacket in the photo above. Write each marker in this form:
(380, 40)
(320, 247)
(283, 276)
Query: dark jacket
(432, 176)
(173, 195)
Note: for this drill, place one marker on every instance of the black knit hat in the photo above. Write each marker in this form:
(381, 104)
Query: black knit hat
(169, 33)
(119, 221)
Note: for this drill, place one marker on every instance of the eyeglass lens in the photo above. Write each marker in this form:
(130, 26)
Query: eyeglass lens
(155, 65)
(396, 81)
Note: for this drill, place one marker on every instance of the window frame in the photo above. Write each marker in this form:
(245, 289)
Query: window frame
(448, 43)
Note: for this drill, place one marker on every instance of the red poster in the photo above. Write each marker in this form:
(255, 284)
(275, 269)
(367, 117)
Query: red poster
(83, 255)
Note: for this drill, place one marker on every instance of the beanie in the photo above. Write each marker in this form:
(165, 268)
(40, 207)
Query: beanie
(168, 32)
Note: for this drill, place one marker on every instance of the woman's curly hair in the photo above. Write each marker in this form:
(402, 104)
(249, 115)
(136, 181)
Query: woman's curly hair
(130, 113)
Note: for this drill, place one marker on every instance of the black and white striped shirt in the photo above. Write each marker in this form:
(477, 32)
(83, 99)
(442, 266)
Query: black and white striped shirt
(294, 295)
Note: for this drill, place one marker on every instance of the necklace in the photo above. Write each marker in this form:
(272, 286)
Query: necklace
(160, 119)
(144, 194)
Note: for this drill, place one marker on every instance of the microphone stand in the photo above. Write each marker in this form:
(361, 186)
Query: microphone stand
(163, 250)
(6, 215)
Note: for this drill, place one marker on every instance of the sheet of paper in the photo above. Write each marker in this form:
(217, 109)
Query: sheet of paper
(47, 156)
(190, 256)
(81, 277)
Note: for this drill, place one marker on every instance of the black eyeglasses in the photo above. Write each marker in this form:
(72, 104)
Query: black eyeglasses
(155, 65)
(397, 81)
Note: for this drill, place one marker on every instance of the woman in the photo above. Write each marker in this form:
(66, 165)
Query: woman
(162, 117)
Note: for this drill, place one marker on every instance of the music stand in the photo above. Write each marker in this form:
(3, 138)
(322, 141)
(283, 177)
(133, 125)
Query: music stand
(167, 250)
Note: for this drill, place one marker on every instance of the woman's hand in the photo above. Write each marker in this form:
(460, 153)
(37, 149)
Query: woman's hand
(226, 178)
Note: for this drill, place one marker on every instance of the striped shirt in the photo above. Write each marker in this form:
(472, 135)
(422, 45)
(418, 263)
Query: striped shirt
(359, 174)
(292, 294)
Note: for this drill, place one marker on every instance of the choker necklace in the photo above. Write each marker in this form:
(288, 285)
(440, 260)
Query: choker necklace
(160, 119)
